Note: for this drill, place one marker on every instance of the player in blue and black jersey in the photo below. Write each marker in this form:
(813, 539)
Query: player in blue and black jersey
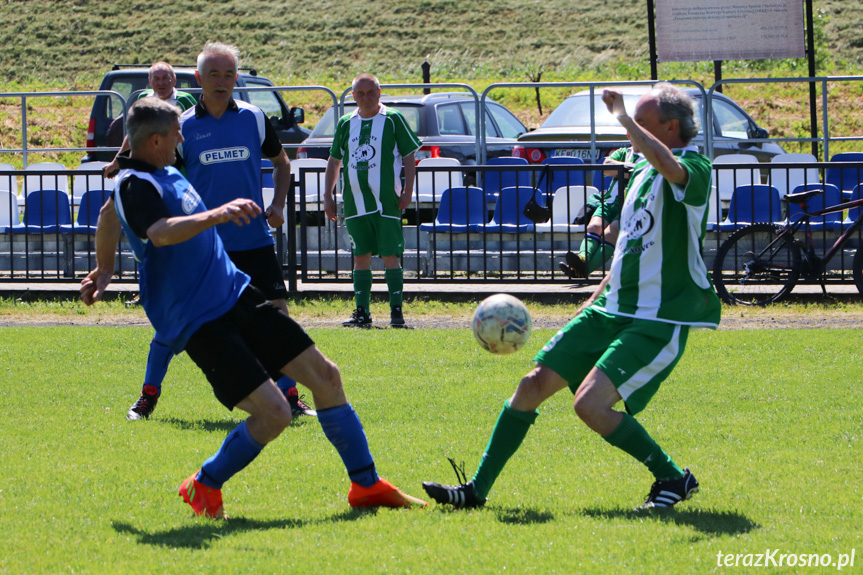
(225, 140)
(199, 301)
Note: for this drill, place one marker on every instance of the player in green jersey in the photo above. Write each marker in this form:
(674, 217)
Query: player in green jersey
(627, 338)
(603, 225)
(374, 142)
(162, 81)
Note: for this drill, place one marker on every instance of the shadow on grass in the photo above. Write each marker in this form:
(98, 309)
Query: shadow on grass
(208, 425)
(212, 425)
(703, 521)
(521, 516)
(202, 535)
(509, 515)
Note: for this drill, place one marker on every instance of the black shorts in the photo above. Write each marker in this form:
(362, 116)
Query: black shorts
(242, 349)
(263, 267)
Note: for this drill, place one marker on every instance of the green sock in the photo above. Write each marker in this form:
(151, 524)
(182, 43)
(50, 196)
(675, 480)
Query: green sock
(363, 288)
(589, 246)
(395, 282)
(599, 256)
(632, 438)
(509, 432)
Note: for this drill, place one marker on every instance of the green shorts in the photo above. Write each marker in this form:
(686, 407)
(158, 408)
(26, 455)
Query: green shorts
(376, 234)
(636, 354)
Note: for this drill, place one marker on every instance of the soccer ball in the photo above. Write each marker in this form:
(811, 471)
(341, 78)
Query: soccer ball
(501, 324)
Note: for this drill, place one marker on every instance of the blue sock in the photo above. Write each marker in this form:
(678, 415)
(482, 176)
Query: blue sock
(343, 428)
(285, 383)
(157, 364)
(238, 450)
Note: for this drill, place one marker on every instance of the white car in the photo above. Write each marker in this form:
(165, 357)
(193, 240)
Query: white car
(570, 122)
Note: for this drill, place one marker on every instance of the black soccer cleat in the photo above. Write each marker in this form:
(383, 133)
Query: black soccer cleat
(670, 493)
(145, 404)
(359, 318)
(298, 406)
(397, 318)
(566, 270)
(577, 266)
(461, 496)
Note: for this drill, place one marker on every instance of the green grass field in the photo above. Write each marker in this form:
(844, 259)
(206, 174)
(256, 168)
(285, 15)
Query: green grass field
(769, 421)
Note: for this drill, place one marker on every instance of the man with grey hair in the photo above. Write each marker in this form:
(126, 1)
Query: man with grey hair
(200, 302)
(374, 142)
(162, 85)
(627, 338)
(225, 140)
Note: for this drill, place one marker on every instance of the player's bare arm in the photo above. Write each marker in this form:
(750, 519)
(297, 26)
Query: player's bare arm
(410, 175)
(169, 231)
(333, 167)
(275, 213)
(596, 293)
(654, 149)
(108, 232)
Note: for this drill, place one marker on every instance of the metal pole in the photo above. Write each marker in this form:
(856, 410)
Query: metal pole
(810, 49)
(717, 74)
(426, 76)
(24, 130)
(651, 31)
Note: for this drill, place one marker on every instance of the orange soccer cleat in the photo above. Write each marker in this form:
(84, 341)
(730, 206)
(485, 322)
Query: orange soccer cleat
(203, 500)
(381, 494)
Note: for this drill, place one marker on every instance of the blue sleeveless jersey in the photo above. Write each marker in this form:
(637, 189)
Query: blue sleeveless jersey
(223, 161)
(184, 285)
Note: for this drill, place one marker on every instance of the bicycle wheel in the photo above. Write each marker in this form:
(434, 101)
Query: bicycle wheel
(756, 266)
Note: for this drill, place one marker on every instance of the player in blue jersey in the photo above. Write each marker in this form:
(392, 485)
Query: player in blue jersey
(200, 302)
(225, 140)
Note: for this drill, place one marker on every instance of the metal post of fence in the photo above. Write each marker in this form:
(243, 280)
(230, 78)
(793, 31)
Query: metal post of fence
(24, 129)
(426, 76)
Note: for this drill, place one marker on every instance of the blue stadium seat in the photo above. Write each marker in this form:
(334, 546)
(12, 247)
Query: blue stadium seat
(460, 210)
(856, 194)
(88, 212)
(555, 179)
(750, 204)
(496, 180)
(845, 178)
(44, 212)
(509, 215)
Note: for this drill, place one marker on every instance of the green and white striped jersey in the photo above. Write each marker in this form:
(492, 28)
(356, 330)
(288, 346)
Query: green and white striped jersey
(657, 272)
(182, 100)
(372, 150)
(626, 155)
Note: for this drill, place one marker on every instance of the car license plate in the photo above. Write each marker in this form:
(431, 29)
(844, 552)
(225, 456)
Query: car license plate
(581, 153)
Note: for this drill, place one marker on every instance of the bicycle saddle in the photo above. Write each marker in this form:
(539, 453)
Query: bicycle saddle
(801, 197)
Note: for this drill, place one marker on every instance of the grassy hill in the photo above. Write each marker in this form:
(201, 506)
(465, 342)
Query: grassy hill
(75, 41)
(69, 44)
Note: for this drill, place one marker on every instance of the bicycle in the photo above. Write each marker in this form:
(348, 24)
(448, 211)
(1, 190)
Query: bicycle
(761, 263)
